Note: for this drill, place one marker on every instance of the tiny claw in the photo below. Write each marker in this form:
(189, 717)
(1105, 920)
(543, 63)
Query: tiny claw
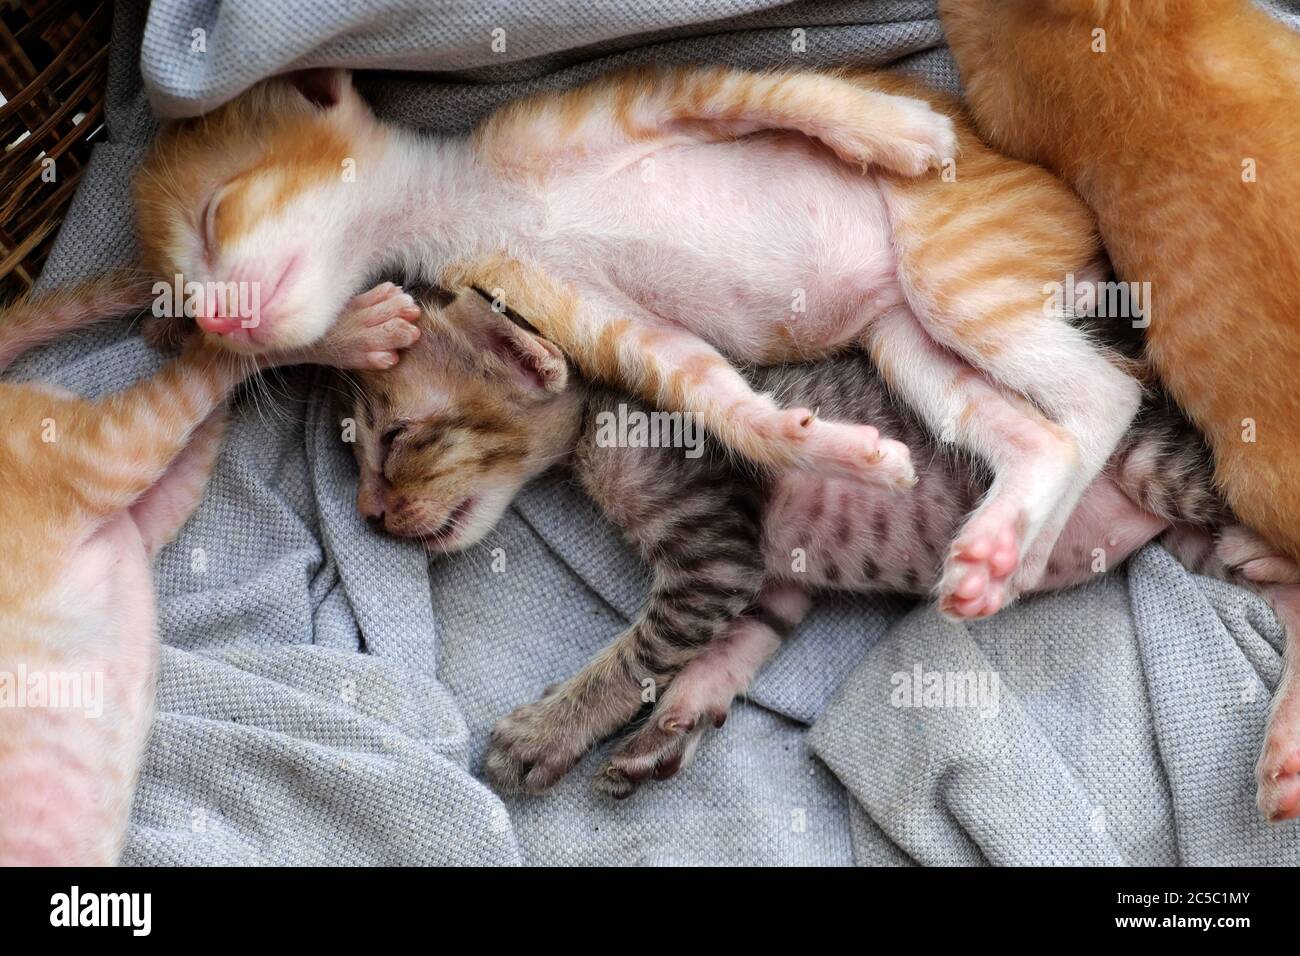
(674, 726)
(619, 786)
(810, 417)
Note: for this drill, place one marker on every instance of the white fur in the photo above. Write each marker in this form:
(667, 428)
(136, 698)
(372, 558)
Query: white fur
(718, 244)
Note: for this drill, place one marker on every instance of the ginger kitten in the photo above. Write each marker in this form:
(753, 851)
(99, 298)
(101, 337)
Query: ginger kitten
(92, 490)
(1178, 121)
(659, 225)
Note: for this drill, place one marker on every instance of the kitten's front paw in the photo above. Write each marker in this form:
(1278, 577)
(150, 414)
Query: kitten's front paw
(848, 451)
(533, 746)
(372, 330)
(912, 139)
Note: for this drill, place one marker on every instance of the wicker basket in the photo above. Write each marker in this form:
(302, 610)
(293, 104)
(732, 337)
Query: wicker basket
(53, 65)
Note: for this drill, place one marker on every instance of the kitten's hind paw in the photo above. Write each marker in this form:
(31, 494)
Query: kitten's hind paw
(909, 139)
(851, 452)
(1278, 776)
(977, 579)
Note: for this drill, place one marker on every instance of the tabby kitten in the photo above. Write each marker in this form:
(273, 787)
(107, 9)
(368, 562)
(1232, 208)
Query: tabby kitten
(92, 490)
(483, 404)
(655, 220)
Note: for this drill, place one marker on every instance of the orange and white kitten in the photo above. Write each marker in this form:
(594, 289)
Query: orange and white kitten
(92, 490)
(1177, 122)
(653, 221)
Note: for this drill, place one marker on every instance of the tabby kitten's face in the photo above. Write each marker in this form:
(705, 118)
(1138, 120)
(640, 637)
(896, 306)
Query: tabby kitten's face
(475, 410)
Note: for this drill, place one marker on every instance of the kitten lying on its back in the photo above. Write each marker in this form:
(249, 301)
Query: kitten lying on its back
(653, 221)
(92, 490)
(483, 404)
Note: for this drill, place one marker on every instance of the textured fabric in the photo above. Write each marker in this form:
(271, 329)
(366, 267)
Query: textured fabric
(499, 49)
(1126, 731)
(326, 697)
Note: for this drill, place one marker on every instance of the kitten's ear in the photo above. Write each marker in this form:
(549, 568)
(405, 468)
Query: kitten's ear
(530, 360)
(324, 88)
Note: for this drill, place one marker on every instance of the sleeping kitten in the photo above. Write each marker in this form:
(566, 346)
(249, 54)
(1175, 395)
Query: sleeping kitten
(92, 490)
(482, 405)
(1182, 135)
(652, 221)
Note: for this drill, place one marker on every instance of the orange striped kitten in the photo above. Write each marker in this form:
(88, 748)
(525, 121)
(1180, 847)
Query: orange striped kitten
(92, 490)
(1177, 122)
(657, 220)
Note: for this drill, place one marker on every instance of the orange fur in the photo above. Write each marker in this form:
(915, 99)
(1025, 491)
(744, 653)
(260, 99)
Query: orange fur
(273, 139)
(981, 246)
(978, 249)
(952, 269)
(531, 137)
(74, 591)
(1154, 133)
(92, 489)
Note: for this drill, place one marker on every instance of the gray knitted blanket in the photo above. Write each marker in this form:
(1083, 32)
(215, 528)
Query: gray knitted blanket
(326, 694)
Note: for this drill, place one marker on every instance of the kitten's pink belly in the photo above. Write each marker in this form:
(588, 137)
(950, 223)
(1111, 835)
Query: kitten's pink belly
(835, 534)
(769, 239)
(831, 534)
(67, 772)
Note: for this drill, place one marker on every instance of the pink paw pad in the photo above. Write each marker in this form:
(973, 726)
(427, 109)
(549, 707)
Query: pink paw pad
(376, 326)
(976, 581)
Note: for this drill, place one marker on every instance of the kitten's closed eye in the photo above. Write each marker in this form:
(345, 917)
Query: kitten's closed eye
(207, 226)
(386, 443)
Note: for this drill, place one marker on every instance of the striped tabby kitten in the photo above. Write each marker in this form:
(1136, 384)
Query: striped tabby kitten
(656, 220)
(483, 404)
(92, 490)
